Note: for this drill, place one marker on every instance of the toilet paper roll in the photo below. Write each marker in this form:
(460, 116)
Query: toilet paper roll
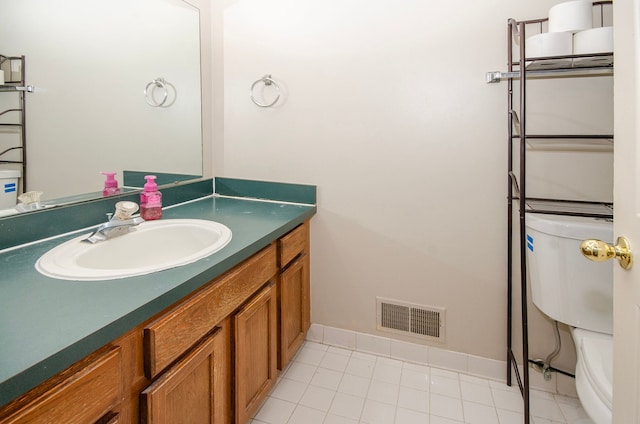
(596, 40)
(549, 44)
(571, 16)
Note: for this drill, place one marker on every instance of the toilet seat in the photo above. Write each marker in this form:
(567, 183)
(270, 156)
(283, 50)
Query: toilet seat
(594, 373)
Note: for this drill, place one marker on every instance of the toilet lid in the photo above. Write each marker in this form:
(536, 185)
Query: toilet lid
(597, 353)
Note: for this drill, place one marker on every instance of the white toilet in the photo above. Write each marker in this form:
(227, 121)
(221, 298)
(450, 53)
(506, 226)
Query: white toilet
(571, 289)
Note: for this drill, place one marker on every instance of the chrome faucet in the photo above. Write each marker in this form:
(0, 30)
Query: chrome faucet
(117, 224)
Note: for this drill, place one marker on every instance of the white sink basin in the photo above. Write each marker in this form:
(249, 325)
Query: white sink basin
(153, 246)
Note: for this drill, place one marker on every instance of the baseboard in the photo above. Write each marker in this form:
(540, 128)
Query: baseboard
(434, 357)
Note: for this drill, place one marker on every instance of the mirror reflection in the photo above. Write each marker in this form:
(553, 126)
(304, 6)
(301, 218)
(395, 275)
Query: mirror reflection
(90, 62)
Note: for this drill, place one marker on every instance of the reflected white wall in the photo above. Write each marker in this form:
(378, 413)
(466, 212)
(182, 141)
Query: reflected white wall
(90, 62)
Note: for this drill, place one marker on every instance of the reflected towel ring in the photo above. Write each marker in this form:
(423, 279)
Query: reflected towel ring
(267, 80)
(148, 94)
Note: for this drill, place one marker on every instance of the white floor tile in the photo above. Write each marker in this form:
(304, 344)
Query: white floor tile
(434, 419)
(347, 406)
(329, 379)
(316, 345)
(354, 385)
(275, 411)
(378, 413)
(387, 372)
(499, 385)
(416, 400)
(573, 413)
(546, 408)
(415, 379)
(408, 416)
(360, 367)
(310, 355)
(389, 361)
(339, 351)
(334, 361)
(333, 385)
(305, 415)
(383, 392)
(300, 372)
(474, 413)
(446, 407)
(475, 380)
(509, 400)
(445, 373)
(364, 356)
(538, 420)
(509, 417)
(289, 390)
(335, 419)
(445, 386)
(476, 393)
(317, 398)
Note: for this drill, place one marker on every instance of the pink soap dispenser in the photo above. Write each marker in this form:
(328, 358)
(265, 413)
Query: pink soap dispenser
(150, 200)
(110, 184)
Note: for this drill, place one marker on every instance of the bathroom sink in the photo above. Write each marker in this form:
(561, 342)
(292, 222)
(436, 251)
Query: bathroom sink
(152, 246)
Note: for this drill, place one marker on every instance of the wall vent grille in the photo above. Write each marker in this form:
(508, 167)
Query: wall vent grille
(411, 319)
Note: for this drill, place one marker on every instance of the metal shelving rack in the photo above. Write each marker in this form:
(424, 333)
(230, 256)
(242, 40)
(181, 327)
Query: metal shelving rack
(18, 86)
(517, 74)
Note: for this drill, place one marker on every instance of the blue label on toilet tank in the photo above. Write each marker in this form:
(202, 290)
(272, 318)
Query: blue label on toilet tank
(10, 187)
(529, 242)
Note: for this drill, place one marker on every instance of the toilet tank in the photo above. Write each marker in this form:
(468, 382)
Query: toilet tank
(565, 285)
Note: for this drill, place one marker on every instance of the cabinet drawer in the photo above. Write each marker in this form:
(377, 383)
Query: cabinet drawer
(83, 397)
(292, 244)
(168, 337)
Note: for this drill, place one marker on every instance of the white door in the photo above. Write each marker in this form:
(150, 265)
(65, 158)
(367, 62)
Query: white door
(626, 390)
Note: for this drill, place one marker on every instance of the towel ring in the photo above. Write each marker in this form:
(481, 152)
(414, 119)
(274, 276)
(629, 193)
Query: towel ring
(267, 80)
(148, 94)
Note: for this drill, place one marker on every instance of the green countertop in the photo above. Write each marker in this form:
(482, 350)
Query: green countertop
(48, 324)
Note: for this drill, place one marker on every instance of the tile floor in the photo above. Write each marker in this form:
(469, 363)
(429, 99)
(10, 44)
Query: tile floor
(330, 385)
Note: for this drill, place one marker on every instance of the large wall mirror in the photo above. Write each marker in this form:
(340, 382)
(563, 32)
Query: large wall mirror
(90, 62)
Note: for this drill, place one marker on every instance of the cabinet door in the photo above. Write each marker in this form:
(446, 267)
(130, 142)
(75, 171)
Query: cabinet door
(193, 390)
(255, 352)
(295, 319)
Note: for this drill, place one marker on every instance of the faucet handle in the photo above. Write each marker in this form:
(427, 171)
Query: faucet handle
(125, 209)
(109, 216)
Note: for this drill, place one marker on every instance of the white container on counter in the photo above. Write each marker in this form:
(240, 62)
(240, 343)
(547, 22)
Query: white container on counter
(8, 188)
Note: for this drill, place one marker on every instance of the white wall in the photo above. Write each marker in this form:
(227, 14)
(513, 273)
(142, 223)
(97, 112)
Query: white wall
(385, 109)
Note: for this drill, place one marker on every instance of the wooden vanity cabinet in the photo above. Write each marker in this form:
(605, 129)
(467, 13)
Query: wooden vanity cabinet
(187, 349)
(210, 358)
(293, 292)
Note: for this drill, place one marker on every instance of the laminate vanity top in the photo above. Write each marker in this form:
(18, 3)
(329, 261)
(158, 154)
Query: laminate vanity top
(48, 324)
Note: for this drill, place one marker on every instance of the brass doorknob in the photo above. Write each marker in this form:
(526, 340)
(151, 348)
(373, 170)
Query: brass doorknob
(597, 250)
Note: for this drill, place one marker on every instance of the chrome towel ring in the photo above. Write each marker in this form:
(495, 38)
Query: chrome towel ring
(268, 81)
(149, 94)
